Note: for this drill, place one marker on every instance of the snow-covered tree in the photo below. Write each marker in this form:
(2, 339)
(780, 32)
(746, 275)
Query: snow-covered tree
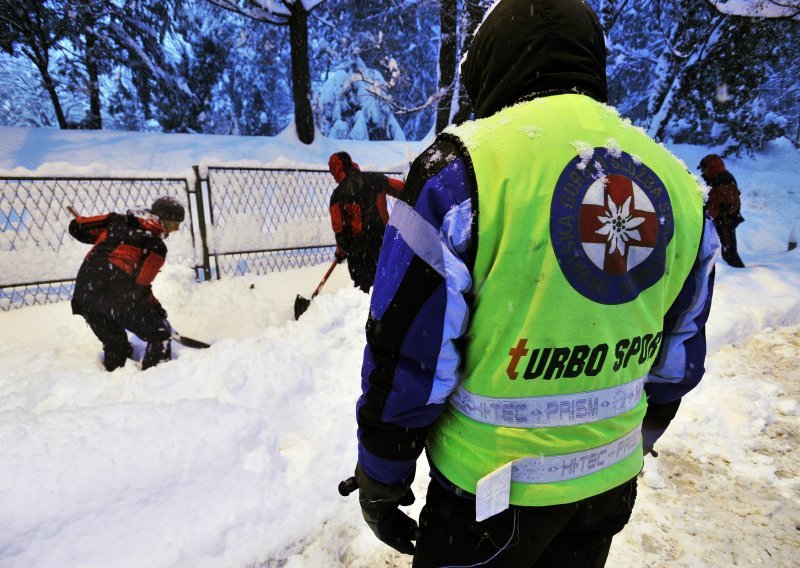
(689, 33)
(142, 38)
(293, 13)
(472, 13)
(255, 92)
(684, 70)
(396, 38)
(448, 61)
(33, 30)
(734, 99)
(75, 43)
(692, 73)
(352, 103)
(759, 8)
(23, 101)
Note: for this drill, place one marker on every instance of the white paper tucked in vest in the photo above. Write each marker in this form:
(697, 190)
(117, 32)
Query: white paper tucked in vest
(493, 493)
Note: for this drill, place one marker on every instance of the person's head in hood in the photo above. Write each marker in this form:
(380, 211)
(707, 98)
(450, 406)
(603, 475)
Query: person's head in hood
(711, 165)
(529, 48)
(341, 165)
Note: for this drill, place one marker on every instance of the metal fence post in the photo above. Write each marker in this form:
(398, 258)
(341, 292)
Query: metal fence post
(201, 222)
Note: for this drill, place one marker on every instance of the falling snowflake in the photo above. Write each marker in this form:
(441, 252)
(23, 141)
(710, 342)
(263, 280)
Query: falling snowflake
(619, 226)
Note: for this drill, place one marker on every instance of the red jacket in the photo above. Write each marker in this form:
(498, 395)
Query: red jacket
(358, 208)
(724, 196)
(128, 252)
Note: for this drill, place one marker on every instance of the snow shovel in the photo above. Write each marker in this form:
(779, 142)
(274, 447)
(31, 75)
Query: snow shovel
(188, 341)
(301, 304)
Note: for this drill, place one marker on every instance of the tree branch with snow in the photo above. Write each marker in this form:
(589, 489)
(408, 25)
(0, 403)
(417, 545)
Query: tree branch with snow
(781, 9)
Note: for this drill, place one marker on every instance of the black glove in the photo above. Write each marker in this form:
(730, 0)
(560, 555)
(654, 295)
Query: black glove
(649, 438)
(162, 313)
(379, 504)
(340, 256)
(158, 309)
(655, 423)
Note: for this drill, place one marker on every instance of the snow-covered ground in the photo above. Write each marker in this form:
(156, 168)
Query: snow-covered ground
(231, 456)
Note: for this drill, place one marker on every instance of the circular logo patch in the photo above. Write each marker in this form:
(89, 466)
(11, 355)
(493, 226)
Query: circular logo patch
(610, 224)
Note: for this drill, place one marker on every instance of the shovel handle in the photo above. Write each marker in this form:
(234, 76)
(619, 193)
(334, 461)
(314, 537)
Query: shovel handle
(71, 209)
(324, 279)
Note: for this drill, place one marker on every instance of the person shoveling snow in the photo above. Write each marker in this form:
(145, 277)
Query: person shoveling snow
(113, 291)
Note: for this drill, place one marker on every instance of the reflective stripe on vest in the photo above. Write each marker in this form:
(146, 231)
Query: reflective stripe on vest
(552, 469)
(542, 411)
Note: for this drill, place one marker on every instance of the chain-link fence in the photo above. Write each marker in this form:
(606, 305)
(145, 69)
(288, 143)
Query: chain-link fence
(241, 221)
(268, 220)
(39, 259)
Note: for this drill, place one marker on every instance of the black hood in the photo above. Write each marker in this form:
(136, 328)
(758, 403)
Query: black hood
(528, 48)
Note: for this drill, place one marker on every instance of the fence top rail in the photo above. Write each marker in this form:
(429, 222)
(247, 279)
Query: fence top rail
(312, 170)
(92, 178)
(38, 283)
(218, 168)
(256, 251)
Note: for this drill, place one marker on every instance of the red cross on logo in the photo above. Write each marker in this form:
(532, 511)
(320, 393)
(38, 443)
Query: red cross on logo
(618, 224)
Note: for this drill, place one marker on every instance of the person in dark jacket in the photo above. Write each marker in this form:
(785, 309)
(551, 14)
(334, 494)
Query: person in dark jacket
(113, 289)
(723, 205)
(538, 312)
(359, 215)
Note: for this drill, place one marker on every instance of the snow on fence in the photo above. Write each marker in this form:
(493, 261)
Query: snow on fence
(240, 221)
(38, 258)
(266, 220)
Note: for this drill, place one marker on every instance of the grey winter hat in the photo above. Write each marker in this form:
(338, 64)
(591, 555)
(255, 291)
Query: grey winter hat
(168, 209)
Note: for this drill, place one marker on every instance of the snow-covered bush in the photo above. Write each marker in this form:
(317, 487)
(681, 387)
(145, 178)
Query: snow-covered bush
(353, 103)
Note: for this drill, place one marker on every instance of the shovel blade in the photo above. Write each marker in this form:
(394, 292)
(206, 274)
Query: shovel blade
(300, 306)
(189, 342)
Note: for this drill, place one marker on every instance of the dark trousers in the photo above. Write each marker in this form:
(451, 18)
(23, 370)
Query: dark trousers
(725, 224)
(575, 535)
(145, 321)
(362, 264)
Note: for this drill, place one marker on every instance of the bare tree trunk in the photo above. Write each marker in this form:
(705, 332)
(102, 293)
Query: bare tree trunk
(671, 70)
(473, 16)
(301, 76)
(50, 87)
(447, 61)
(93, 119)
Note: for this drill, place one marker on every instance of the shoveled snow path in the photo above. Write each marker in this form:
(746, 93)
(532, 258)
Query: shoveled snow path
(698, 506)
(708, 505)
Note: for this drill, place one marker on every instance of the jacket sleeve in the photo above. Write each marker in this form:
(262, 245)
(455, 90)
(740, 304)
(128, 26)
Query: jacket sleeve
(724, 191)
(339, 222)
(680, 363)
(732, 192)
(151, 264)
(418, 311)
(155, 255)
(88, 229)
(394, 186)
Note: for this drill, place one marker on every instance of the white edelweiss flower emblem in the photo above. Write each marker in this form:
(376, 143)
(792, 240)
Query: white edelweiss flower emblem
(619, 226)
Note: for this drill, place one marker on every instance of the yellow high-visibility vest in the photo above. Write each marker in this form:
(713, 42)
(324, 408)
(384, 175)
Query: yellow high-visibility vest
(586, 232)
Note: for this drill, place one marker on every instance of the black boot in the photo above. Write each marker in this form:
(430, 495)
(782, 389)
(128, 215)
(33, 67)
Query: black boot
(734, 260)
(156, 352)
(113, 359)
